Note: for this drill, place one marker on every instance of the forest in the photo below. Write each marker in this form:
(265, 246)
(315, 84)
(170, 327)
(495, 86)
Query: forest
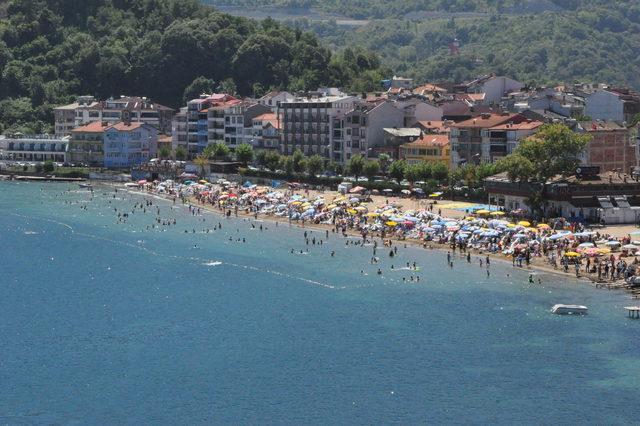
(54, 50)
(586, 40)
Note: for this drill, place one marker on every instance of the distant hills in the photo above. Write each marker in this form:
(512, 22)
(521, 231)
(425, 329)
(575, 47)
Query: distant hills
(538, 42)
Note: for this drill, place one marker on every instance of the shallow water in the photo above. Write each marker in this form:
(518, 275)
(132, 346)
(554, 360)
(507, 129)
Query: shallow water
(109, 323)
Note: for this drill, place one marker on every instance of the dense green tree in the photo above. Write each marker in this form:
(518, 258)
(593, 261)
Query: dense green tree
(396, 170)
(272, 160)
(197, 87)
(164, 152)
(298, 161)
(356, 165)
(371, 169)
(261, 158)
(244, 153)
(315, 164)
(384, 160)
(181, 153)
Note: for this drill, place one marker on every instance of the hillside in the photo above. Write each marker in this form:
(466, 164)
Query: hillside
(589, 40)
(52, 50)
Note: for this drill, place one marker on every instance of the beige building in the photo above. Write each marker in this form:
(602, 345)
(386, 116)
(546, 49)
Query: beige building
(86, 145)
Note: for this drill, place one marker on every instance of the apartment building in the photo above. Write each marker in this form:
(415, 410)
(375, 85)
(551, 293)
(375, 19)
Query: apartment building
(315, 125)
(613, 104)
(612, 147)
(87, 109)
(427, 148)
(238, 121)
(86, 144)
(128, 144)
(34, 148)
(486, 137)
(274, 98)
(266, 131)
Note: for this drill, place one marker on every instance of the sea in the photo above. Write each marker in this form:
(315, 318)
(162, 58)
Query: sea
(120, 322)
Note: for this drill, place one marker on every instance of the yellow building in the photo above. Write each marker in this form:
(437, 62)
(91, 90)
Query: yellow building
(428, 148)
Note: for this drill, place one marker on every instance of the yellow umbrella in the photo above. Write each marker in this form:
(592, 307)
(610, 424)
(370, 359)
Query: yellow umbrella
(391, 223)
(543, 226)
(572, 254)
(524, 223)
(511, 225)
(604, 250)
(470, 218)
(204, 182)
(388, 213)
(296, 203)
(352, 211)
(373, 214)
(331, 206)
(498, 213)
(482, 211)
(532, 229)
(361, 209)
(435, 194)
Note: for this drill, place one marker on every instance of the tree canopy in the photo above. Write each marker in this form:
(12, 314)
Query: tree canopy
(54, 50)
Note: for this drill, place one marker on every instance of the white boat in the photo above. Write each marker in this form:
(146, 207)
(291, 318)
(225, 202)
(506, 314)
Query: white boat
(85, 185)
(561, 309)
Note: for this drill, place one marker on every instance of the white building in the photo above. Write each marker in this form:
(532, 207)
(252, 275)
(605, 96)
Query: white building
(274, 98)
(266, 131)
(418, 110)
(494, 87)
(87, 110)
(38, 148)
(612, 105)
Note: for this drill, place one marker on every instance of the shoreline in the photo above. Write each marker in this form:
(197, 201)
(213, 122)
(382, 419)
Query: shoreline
(536, 265)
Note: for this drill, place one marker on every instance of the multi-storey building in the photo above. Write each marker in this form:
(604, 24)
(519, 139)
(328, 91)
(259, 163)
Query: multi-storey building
(238, 121)
(273, 99)
(87, 109)
(266, 131)
(467, 138)
(502, 139)
(315, 125)
(613, 104)
(34, 148)
(179, 132)
(427, 148)
(612, 147)
(127, 144)
(86, 144)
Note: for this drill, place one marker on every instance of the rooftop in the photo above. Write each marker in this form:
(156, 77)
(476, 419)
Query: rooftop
(427, 140)
(94, 127)
(524, 125)
(403, 132)
(600, 125)
(485, 121)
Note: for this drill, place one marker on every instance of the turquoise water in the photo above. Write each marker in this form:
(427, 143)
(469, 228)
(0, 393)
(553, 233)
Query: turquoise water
(108, 323)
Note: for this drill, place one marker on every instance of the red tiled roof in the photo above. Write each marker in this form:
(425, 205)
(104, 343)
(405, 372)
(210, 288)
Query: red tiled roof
(430, 140)
(123, 127)
(524, 125)
(269, 118)
(94, 127)
(486, 121)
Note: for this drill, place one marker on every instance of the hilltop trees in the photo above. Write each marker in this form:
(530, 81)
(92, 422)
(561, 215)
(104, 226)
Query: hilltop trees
(167, 50)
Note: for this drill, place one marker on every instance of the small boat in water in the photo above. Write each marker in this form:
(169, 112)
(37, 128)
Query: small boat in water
(85, 185)
(561, 309)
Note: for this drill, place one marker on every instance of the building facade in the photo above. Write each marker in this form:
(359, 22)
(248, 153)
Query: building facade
(619, 105)
(266, 131)
(611, 147)
(87, 109)
(315, 125)
(129, 144)
(427, 148)
(86, 144)
(38, 148)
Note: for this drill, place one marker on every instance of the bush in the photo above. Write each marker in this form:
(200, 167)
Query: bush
(48, 166)
(39, 168)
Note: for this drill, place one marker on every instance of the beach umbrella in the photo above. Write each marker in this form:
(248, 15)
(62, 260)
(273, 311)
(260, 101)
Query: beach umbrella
(407, 223)
(572, 254)
(613, 243)
(356, 189)
(435, 194)
(560, 235)
(629, 247)
(482, 211)
(352, 211)
(498, 213)
(524, 223)
(373, 214)
(387, 190)
(411, 218)
(543, 226)
(391, 223)
(406, 192)
(586, 245)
